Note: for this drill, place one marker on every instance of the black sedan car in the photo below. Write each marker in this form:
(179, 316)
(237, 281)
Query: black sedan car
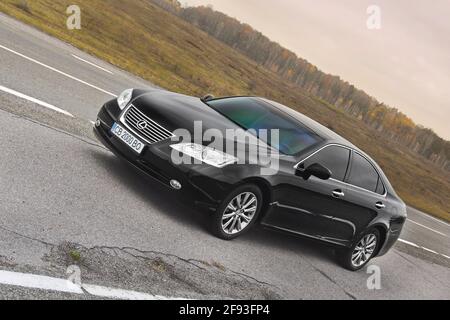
(309, 181)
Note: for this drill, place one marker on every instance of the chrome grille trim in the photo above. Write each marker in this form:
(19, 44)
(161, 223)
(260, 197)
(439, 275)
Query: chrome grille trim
(153, 133)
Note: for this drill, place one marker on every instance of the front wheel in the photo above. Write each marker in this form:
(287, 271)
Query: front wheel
(360, 253)
(237, 212)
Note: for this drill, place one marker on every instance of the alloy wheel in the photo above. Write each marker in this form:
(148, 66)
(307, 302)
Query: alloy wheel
(364, 250)
(239, 212)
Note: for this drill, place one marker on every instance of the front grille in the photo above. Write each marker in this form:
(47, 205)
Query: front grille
(152, 131)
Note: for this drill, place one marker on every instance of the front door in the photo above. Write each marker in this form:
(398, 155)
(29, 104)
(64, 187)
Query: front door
(310, 207)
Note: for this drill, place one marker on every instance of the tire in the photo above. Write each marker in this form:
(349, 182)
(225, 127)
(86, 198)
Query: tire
(346, 255)
(221, 226)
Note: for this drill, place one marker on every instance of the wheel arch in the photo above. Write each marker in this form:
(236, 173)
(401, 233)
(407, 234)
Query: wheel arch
(266, 190)
(383, 230)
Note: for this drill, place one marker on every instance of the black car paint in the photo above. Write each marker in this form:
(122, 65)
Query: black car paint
(292, 204)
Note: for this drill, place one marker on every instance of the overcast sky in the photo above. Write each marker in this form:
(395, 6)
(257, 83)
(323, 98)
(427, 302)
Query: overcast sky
(405, 64)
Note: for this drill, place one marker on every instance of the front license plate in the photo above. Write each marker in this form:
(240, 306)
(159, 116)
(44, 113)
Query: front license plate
(127, 138)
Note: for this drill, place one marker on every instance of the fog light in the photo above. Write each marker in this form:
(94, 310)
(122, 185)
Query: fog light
(97, 123)
(175, 184)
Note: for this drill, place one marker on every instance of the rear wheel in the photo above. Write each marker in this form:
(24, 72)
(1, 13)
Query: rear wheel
(362, 252)
(238, 212)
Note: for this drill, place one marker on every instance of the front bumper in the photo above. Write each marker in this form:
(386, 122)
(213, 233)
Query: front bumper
(201, 184)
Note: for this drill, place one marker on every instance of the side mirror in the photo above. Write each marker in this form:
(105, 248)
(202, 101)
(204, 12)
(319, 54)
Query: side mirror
(207, 98)
(316, 170)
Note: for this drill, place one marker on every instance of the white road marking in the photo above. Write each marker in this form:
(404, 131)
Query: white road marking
(430, 217)
(57, 71)
(410, 243)
(429, 250)
(420, 247)
(92, 64)
(38, 282)
(34, 100)
(33, 281)
(423, 226)
(112, 293)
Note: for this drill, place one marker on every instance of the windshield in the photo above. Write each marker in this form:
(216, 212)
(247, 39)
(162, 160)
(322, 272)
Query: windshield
(256, 114)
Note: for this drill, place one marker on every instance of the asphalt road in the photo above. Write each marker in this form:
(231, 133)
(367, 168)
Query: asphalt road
(66, 200)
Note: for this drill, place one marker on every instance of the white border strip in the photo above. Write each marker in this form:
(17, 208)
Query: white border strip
(423, 248)
(426, 215)
(33, 281)
(423, 226)
(34, 100)
(38, 282)
(92, 64)
(112, 293)
(57, 71)
(409, 243)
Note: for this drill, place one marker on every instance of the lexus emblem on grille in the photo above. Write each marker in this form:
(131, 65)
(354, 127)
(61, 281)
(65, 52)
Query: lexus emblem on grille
(142, 124)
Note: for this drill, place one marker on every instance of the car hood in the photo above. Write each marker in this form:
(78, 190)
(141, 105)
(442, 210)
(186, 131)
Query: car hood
(176, 111)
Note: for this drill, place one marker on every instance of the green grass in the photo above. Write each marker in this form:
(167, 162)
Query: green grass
(75, 255)
(155, 45)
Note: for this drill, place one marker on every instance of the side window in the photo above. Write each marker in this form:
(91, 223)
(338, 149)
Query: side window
(380, 187)
(363, 174)
(334, 158)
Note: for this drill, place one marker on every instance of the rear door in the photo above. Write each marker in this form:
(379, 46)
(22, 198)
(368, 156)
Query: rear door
(365, 193)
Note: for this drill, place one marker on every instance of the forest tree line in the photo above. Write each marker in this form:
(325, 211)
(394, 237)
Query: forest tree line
(330, 88)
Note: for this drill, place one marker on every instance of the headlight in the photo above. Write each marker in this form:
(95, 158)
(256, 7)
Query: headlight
(124, 98)
(207, 155)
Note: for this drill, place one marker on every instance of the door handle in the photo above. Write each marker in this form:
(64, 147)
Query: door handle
(380, 205)
(338, 193)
